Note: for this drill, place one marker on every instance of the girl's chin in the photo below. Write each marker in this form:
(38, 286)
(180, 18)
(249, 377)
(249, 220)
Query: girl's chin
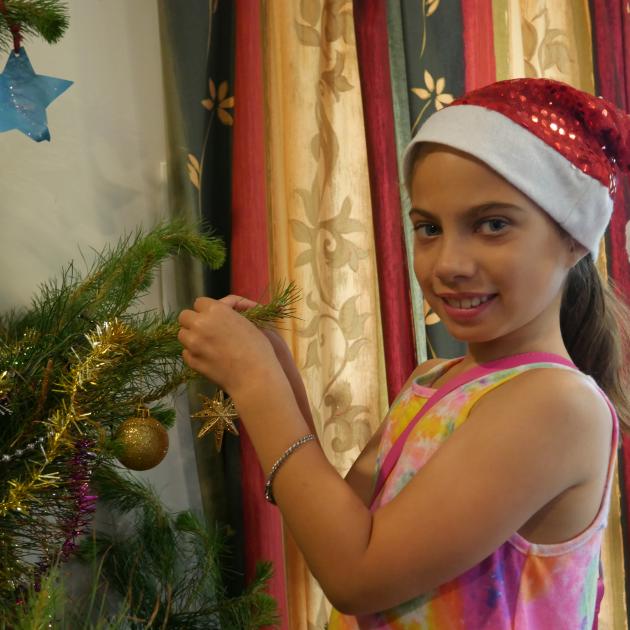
(469, 336)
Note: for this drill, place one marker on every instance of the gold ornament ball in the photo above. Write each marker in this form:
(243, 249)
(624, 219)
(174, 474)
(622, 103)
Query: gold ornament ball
(144, 442)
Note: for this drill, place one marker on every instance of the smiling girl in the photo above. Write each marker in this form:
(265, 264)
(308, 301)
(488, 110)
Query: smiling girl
(481, 500)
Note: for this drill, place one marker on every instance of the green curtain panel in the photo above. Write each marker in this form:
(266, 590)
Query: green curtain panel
(434, 63)
(198, 57)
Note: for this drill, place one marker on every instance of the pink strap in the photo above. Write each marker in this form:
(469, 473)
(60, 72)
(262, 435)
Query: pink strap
(465, 377)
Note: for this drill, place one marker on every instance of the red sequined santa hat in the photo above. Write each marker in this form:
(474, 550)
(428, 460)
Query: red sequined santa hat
(560, 146)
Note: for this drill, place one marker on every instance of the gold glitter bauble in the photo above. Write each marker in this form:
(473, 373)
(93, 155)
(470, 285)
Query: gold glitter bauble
(144, 441)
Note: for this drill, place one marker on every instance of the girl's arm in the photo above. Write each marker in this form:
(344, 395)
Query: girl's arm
(283, 355)
(361, 476)
(524, 444)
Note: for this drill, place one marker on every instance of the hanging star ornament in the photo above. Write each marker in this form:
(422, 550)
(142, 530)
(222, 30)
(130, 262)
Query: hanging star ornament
(25, 95)
(219, 414)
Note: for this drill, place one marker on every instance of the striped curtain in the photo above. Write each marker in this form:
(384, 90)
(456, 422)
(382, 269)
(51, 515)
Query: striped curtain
(322, 237)
(198, 61)
(313, 104)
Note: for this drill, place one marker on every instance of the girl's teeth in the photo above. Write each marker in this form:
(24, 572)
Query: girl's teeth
(467, 303)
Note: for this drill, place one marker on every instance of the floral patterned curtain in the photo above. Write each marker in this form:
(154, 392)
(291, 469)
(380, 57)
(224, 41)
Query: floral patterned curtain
(322, 237)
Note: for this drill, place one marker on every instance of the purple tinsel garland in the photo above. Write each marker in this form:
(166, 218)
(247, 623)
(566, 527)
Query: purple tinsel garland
(80, 471)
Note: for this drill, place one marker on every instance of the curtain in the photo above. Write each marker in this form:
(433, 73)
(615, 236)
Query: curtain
(322, 237)
(296, 153)
(213, 60)
(611, 34)
(250, 276)
(396, 312)
(198, 62)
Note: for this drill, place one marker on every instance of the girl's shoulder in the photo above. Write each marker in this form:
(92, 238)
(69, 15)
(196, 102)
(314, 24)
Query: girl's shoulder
(542, 414)
(557, 403)
(553, 385)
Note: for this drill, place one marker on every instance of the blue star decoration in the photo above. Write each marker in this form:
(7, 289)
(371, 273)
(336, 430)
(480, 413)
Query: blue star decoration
(25, 95)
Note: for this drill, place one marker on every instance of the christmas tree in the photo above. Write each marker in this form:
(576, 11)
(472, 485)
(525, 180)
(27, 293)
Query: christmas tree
(75, 368)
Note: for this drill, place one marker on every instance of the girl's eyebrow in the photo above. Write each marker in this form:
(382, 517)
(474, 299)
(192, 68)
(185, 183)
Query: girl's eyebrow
(471, 212)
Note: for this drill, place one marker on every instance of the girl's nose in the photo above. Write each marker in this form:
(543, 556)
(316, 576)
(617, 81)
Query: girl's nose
(454, 260)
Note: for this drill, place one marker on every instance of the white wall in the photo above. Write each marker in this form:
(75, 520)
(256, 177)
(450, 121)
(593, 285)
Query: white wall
(99, 177)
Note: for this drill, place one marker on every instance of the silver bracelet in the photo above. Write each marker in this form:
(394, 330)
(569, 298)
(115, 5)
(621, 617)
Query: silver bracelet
(283, 458)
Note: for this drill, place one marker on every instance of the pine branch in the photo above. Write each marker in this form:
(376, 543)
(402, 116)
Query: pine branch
(66, 377)
(75, 365)
(281, 306)
(50, 606)
(168, 566)
(123, 274)
(41, 18)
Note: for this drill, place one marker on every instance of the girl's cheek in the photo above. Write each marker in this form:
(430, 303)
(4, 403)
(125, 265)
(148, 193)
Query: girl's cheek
(421, 273)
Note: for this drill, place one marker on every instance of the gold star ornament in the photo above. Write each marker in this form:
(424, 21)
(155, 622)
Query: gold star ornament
(218, 414)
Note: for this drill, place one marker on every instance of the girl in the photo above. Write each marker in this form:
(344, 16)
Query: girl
(481, 500)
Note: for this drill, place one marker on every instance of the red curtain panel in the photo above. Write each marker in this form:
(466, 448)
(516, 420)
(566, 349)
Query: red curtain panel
(250, 275)
(370, 20)
(611, 26)
(478, 34)
(611, 35)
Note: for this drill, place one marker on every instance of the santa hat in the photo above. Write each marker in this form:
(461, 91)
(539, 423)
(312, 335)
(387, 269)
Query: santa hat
(560, 146)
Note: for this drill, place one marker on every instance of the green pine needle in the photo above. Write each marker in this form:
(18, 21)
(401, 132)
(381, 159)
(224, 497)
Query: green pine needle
(166, 567)
(41, 18)
(281, 306)
(39, 349)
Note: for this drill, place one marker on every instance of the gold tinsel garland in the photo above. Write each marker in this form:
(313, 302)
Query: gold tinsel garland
(107, 344)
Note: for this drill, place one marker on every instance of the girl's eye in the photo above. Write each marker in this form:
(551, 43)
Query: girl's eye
(426, 229)
(492, 226)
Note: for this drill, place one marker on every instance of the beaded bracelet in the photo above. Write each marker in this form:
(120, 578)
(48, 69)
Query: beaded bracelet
(283, 458)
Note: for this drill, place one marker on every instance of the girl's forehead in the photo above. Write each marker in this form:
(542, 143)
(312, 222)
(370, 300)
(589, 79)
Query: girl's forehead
(449, 182)
(449, 161)
(444, 173)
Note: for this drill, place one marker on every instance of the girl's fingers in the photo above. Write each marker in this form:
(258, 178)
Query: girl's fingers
(237, 302)
(183, 336)
(186, 318)
(189, 359)
(202, 303)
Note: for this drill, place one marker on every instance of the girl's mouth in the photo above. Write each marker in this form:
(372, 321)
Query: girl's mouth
(467, 308)
(466, 303)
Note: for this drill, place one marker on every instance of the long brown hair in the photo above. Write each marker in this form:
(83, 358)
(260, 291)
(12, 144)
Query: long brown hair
(595, 326)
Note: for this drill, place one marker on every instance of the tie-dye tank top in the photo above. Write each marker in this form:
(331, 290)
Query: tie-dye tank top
(522, 585)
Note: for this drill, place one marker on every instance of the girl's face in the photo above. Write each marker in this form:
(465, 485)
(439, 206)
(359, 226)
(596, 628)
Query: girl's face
(490, 262)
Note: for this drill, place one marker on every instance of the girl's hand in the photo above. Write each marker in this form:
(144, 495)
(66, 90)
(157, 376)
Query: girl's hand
(223, 346)
(283, 354)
